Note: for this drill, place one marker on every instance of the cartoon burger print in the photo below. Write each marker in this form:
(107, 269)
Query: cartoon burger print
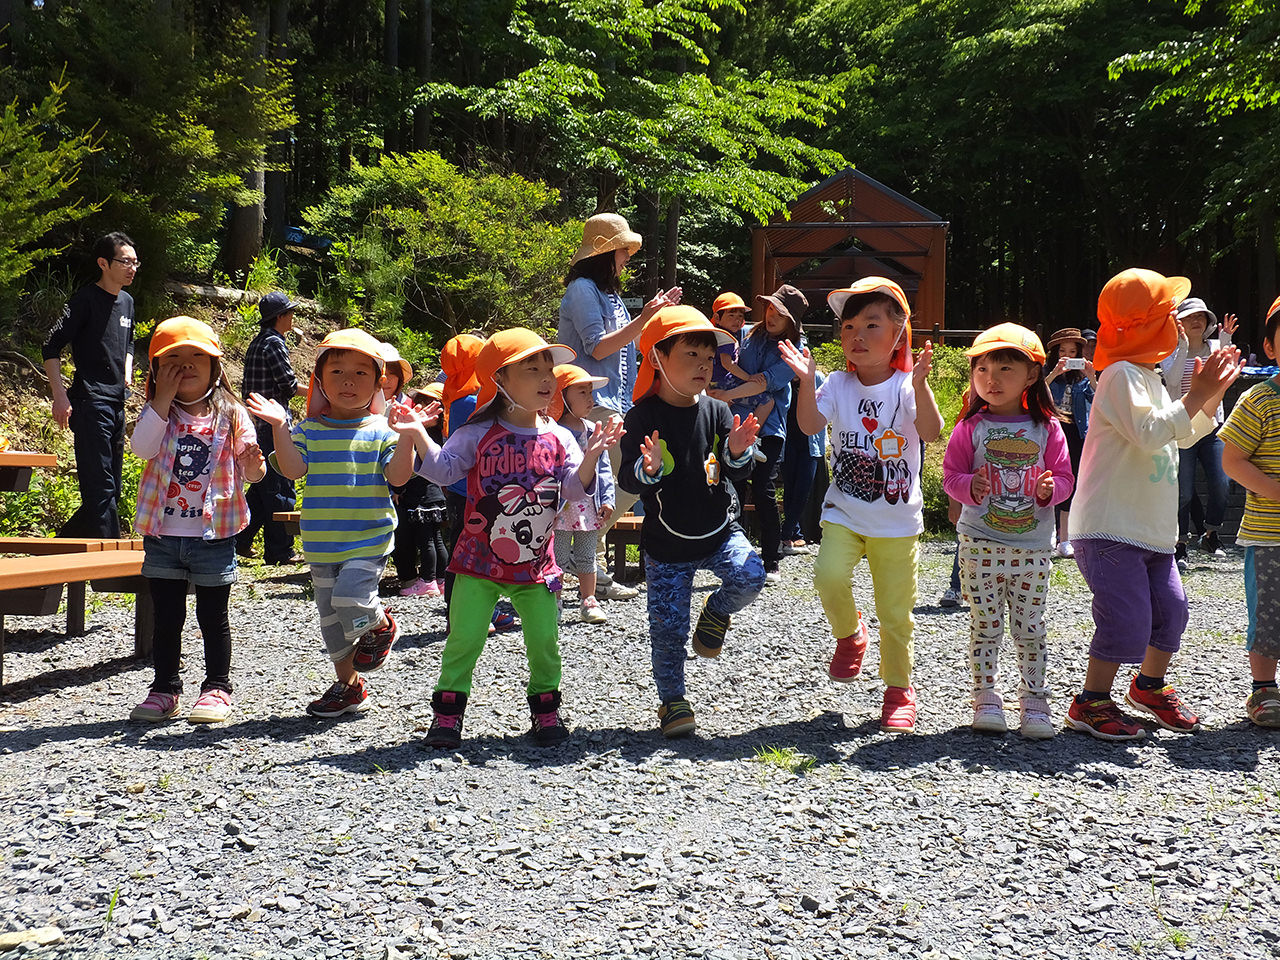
(1011, 459)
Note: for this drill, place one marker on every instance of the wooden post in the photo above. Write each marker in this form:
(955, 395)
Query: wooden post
(758, 255)
(75, 609)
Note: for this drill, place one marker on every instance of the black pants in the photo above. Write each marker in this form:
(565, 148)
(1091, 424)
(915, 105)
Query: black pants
(455, 506)
(98, 427)
(273, 493)
(764, 494)
(169, 600)
(420, 549)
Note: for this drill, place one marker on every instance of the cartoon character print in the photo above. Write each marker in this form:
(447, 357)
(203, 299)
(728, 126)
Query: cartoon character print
(1011, 463)
(519, 520)
(190, 471)
(869, 464)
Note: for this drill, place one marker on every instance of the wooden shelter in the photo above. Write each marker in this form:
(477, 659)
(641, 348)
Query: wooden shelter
(851, 226)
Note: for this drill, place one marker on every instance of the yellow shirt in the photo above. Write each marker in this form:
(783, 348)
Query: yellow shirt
(1254, 428)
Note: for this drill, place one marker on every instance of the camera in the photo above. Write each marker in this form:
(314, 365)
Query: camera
(1075, 363)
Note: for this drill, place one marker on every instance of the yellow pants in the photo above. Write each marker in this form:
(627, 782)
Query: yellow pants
(893, 580)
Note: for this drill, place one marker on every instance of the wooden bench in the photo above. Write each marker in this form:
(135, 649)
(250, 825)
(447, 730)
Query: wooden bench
(292, 520)
(626, 532)
(16, 467)
(32, 586)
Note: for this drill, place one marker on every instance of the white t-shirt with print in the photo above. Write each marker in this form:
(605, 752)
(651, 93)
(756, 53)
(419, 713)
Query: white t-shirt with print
(875, 455)
(189, 482)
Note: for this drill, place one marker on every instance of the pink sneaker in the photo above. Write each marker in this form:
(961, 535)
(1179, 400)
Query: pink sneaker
(157, 706)
(213, 706)
(898, 715)
(419, 588)
(435, 588)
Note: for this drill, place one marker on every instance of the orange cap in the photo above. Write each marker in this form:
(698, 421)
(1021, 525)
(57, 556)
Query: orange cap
(432, 391)
(568, 375)
(670, 322)
(507, 347)
(728, 301)
(1008, 336)
(836, 300)
(391, 357)
(1134, 321)
(349, 339)
(1271, 310)
(183, 332)
(458, 361)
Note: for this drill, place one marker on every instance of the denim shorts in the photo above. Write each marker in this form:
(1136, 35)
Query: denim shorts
(203, 563)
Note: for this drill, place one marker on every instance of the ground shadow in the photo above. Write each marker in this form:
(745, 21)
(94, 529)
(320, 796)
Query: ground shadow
(53, 680)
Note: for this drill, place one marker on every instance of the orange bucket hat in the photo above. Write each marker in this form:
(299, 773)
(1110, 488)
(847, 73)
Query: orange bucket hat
(666, 323)
(507, 347)
(569, 375)
(182, 332)
(1133, 317)
(836, 300)
(458, 361)
(1008, 336)
(358, 342)
(729, 301)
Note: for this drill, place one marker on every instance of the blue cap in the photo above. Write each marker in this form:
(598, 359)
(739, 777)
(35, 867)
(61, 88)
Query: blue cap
(274, 304)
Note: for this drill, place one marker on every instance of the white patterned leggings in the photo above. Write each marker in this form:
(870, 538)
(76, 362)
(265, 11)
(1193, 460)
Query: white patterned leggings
(992, 576)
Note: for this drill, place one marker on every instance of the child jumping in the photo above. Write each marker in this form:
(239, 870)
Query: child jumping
(579, 522)
(1007, 464)
(351, 459)
(880, 410)
(519, 466)
(1124, 518)
(200, 449)
(1251, 457)
(676, 449)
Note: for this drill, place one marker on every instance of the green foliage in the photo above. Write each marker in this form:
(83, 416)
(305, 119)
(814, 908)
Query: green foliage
(787, 759)
(829, 356)
(948, 379)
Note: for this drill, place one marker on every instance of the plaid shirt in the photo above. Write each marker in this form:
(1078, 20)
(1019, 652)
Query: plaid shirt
(267, 369)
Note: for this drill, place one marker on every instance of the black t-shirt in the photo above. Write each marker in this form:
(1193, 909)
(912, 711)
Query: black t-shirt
(99, 327)
(691, 508)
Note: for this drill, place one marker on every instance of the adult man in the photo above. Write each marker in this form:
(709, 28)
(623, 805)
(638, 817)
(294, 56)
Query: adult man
(267, 371)
(98, 324)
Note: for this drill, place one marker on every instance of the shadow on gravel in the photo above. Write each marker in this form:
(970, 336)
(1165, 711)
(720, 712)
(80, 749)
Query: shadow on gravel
(54, 680)
(419, 640)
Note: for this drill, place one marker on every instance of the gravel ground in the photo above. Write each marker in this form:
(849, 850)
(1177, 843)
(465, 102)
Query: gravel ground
(789, 827)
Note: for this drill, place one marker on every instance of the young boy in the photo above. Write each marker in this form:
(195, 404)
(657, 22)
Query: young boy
(676, 448)
(729, 313)
(350, 457)
(1251, 457)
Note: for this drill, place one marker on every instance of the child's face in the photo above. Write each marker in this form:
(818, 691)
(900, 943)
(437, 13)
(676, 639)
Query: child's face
(870, 337)
(196, 369)
(687, 368)
(349, 379)
(776, 323)
(531, 382)
(579, 399)
(1068, 350)
(1001, 382)
(731, 319)
(390, 384)
(1272, 347)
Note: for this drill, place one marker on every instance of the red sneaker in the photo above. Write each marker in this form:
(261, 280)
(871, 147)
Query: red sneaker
(341, 698)
(898, 714)
(846, 662)
(1165, 705)
(374, 645)
(1104, 720)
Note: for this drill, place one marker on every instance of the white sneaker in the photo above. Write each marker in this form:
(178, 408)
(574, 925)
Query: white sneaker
(1037, 724)
(988, 713)
(773, 576)
(613, 590)
(949, 598)
(1065, 549)
(213, 706)
(590, 611)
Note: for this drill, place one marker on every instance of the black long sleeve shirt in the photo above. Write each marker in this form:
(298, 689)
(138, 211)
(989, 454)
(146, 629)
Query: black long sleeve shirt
(99, 327)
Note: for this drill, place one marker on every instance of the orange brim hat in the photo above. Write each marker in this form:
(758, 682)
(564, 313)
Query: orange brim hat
(1273, 309)
(507, 347)
(836, 300)
(569, 375)
(391, 357)
(180, 332)
(358, 342)
(432, 391)
(666, 323)
(458, 361)
(729, 301)
(1008, 336)
(1134, 321)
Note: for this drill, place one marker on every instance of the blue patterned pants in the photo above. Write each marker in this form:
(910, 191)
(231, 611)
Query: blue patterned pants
(670, 592)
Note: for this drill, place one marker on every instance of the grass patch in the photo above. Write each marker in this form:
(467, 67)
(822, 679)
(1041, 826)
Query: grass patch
(788, 759)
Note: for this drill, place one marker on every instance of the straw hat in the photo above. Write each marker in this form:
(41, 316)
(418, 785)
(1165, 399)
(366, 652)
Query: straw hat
(1066, 335)
(670, 322)
(1134, 321)
(605, 232)
(507, 347)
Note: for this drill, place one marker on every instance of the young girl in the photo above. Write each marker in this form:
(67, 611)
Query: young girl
(579, 521)
(1072, 391)
(201, 449)
(1124, 519)
(1007, 464)
(879, 410)
(519, 466)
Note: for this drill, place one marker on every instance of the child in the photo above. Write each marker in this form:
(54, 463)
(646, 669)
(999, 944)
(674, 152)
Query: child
(1251, 457)
(350, 457)
(729, 313)
(519, 467)
(1072, 392)
(579, 522)
(675, 451)
(1124, 514)
(880, 410)
(1007, 464)
(200, 449)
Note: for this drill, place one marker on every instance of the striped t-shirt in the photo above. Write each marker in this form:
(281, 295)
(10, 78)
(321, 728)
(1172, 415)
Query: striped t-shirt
(346, 509)
(1254, 428)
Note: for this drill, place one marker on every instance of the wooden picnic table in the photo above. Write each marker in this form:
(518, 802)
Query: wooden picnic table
(16, 467)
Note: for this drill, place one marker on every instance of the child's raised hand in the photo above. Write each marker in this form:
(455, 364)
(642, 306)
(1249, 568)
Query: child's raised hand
(1210, 379)
(799, 359)
(979, 486)
(607, 436)
(743, 434)
(922, 365)
(1044, 486)
(651, 454)
(168, 376)
(1230, 323)
(266, 410)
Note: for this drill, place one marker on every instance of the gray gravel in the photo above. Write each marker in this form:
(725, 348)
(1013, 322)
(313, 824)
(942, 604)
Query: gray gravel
(277, 835)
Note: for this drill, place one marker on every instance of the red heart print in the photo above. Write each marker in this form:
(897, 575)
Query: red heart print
(869, 425)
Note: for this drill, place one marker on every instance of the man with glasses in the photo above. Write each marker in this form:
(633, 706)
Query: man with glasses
(98, 324)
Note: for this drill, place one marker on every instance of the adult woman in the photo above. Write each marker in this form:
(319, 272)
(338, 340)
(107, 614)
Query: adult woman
(782, 311)
(1072, 391)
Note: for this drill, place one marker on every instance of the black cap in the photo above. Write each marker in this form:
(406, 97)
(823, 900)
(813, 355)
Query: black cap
(274, 304)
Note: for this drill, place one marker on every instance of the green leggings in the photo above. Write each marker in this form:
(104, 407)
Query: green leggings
(470, 611)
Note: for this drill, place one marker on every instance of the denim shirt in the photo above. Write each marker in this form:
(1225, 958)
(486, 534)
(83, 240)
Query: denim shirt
(587, 315)
(1081, 401)
(761, 355)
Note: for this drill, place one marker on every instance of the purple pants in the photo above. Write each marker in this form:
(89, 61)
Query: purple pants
(1138, 600)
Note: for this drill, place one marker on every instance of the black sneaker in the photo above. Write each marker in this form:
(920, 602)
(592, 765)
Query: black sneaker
(708, 635)
(1180, 556)
(446, 724)
(1210, 544)
(676, 718)
(341, 698)
(374, 645)
(548, 729)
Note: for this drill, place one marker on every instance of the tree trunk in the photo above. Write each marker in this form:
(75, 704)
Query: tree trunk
(275, 182)
(652, 263)
(1266, 260)
(244, 238)
(391, 57)
(422, 112)
(12, 30)
(671, 249)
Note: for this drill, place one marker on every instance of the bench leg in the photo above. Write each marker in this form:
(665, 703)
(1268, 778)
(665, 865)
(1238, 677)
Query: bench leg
(144, 623)
(1, 649)
(75, 609)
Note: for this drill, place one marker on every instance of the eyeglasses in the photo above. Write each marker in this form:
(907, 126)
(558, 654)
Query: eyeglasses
(135, 264)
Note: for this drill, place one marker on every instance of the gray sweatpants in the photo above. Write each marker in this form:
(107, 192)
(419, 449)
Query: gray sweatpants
(347, 598)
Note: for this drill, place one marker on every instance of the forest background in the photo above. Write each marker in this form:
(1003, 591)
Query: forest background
(423, 167)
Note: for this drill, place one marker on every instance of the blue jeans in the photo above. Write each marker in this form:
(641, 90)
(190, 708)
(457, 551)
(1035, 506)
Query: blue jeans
(798, 470)
(670, 594)
(1208, 453)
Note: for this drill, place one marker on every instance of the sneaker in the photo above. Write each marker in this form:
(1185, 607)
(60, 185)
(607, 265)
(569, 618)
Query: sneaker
(447, 707)
(846, 662)
(708, 635)
(613, 590)
(759, 456)
(417, 588)
(1037, 723)
(590, 611)
(547, 729)
(949, 598)
(898, 712)
(773, 576)
(676, 718)
(437, 588)
(1210, 544)
(374, 645)
(1103, 719)
(1263, 707)
(1065, 549)
(1180, 556)
(341, 698)
(1165, 705)
(988, 713)
(157, 706)
(503, 622)
(793, 548)
(212, 706)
